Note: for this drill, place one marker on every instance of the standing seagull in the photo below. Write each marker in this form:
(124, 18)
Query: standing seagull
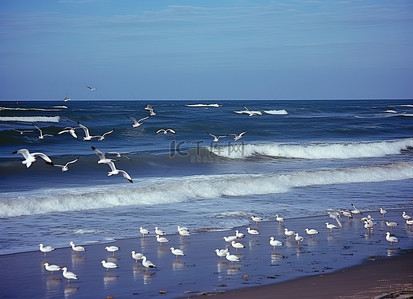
(391, 238)
(136, 256)
(165, 131)
(77, 248)
(216, 138)
(143, 231)
(137, 123)
(91, 89)
(115, 171)
(147, 263)
(41, 136)
(66, 166)
(51, 268)
(238, 136)
(87, 135)
(274, 243)
(177, 252)
(108, 265)
(68, 275)
(45, 249)
(112, 249)
(382, 212)
(30, 158)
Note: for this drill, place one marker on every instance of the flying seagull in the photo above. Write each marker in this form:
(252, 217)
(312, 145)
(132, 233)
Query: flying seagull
(216, 138)
(31, 158)
(115, 171)
(91, 89)
(69, 130)
(137, 123)
(238, 136)
(102, 157)
(87, 135)
(66, 166)
(41, 136)
(104, 134)
(165, 131)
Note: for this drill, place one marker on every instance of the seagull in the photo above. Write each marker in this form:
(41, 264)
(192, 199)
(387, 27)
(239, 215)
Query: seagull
(279, 219)
(298, 238)
(51, 268)
(239, 235)
(355, 211)
(216, 138)
(137, 123)
(177, 252)
(251, 113)
(368, 224)
(136, 256)
(237, 245)
(252, 232)
(150, 109)
(45, 249)
(102, 157)
(183, 231)
(331, 226)
(256, 219)
(161, 239)
(221, 252)
(165, 131)
(311, 232)
(104, 134)
(159, 231)
(68, 275)
(115, 171)
(238, 136)
(335, 215)
(91, 89)
(229, 239)
(31, 158)
(346, 213)
(391, 238)
(108, 265)
(41, 136)
(22, 131)
(112, 249)
(231, 257)
(405, 216)
(69, 130)
(77, 248)
(66, 166)
(118, 155)
(87, 135)
(66, 99)
(288, 233)
(409, 222)
(382, 212)
(275, 243)
(143, 231)
(391, 224)
(147, 263)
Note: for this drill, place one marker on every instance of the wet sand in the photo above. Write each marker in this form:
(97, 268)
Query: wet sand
(315, 265)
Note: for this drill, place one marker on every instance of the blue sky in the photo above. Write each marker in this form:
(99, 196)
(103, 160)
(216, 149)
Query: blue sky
(206, 49)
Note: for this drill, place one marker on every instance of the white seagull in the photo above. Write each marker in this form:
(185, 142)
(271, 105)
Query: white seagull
(239, 235)
(335, 215)
(91, 89)
(252, 232)
(66, 99)
(256, 219)
(355, 211)
(147, 263)
(346, 213)
(41, 136)
(275, 243)
(87, 134)
(143, 231)
(45, 249)
(161, 239)
(102, 157)
(298, 238)
(279, 219)
(108, 265)
(150, 109)
(288, 233)
(115, 171)
(183, 232)
(51, 268)
(112, 249)
(250, 113)
(66, 166)
(237, 245)
(391, 224)
(221, 252)
(229, 239)
(136, 256)
(118, 155)
(311, 232)
(165, 131)
(409, 221)
(137, 123)
(382, 212)
(23, 131)
(69, 130)
(177, 252)
(331, 226)
(31, 158)
(238, 136)
(68, 275)
(216, 138)
(405, 216)
(77, 248)
(391, 238)
(159, 231)
(231, 257)
(104, 134)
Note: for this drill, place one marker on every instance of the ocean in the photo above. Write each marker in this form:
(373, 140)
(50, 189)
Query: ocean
(298, 158)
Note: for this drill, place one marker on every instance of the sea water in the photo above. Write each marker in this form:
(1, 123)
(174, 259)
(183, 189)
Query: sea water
(296, 159)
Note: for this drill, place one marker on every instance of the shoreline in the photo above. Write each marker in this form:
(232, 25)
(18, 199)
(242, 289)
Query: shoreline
(200, 271)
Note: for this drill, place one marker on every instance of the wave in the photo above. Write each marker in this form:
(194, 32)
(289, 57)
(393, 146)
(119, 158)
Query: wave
(31, 119)
(29, 109)
(172, 190)
(276, 112)
(313, 151)
(203, 105)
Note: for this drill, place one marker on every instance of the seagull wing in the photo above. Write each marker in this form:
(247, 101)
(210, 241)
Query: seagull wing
(84, 128)
(172, 131)
(99, 153)
(143, 119)
(126, 175)
(212, 135)
(112, 165)
(242, 133)
(44, 157)
(133, 119)
(24, 152)
(73, 161)
(111, 131)
(160, 130)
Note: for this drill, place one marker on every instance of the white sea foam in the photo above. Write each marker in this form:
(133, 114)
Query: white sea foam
(31, 119)
(173, 190)
(29, 109)
(276, 112)
(314, 151)
(203, 105)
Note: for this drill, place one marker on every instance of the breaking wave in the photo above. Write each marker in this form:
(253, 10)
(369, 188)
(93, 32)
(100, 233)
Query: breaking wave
(31, 119)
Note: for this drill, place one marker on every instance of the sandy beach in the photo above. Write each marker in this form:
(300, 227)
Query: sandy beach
(323, 264)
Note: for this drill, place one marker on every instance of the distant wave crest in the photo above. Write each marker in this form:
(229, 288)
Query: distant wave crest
(172, 190)
(313, 151)
(52, 119)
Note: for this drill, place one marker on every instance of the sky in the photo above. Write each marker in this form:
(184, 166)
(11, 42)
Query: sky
(206, 49)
